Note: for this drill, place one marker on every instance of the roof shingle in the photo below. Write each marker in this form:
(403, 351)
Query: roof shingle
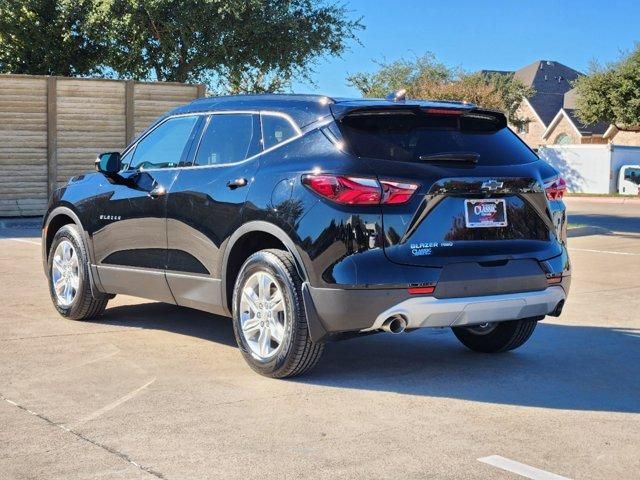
(569, 105)
(551, 80)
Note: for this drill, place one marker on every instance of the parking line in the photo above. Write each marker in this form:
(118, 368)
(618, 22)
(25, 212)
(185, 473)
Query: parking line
(628, 331)
(23, 240)
(104, 447)
(604, 251)
(112, 405)
(521, 469)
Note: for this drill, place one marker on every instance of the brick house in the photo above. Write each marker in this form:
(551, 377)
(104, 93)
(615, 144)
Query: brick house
(551, 110)
(566, 128)
(551, 81)
(622, 137)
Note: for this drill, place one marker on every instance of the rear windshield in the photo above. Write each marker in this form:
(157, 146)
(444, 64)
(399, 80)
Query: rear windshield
(414, 137)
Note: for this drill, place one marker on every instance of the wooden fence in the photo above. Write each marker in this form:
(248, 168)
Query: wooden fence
(51, 128)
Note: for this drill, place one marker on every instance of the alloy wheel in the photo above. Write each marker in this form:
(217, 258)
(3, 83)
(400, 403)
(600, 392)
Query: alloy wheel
(263, 318)
(483, 328)
(65, 274)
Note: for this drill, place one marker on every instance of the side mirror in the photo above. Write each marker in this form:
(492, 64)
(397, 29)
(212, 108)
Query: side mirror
(109, 163)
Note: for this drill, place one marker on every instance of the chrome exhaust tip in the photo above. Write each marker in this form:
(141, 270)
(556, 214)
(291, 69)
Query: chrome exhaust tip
(558, 310)
(394, 325)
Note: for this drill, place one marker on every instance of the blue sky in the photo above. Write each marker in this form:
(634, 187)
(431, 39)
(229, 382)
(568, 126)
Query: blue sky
(482, 34)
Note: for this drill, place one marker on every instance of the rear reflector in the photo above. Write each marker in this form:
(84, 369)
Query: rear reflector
(359, 191)
(421, 290)
(555, 188)
(554, 279)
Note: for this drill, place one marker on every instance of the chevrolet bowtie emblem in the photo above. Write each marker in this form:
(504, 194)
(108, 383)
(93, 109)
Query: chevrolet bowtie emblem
(492, 185)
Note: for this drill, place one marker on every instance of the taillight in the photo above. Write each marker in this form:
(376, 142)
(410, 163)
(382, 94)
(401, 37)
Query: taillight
(555, 188)
(359, 191)
(394, 193)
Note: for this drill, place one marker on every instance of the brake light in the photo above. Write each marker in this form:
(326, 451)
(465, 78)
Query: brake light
(443, 111)
(555, 188)
(394, 193)
(347, 190)
(359, 191)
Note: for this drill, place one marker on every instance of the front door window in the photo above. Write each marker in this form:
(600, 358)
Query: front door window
(165, 146)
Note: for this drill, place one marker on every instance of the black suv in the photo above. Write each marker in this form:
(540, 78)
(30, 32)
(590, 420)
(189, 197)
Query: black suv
(307, 218)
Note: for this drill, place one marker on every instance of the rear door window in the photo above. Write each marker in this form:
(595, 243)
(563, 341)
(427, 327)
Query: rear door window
(229, 138)
(413, 137)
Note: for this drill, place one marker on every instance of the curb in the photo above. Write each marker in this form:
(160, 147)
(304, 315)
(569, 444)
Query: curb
(611, 200)
(24, 222)
(587, 230)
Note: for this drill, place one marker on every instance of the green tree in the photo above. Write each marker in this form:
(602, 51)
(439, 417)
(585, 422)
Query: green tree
(425, 77)
(234, 45)
(51, 37)
(411, 75)
(611, 93)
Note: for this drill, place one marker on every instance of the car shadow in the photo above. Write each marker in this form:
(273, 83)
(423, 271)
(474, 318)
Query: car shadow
(22, 227)
(171, 318)
(612, 223)
(562, 366)
(6, 233)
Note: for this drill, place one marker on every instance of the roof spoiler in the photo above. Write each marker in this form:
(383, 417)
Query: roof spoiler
(474, 118)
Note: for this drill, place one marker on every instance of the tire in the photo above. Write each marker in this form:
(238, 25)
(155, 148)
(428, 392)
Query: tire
(82, 304)
(502, 337)
(295, 353)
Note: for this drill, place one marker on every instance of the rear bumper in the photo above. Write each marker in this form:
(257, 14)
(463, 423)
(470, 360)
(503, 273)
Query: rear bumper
(422, 312)
(337, 311)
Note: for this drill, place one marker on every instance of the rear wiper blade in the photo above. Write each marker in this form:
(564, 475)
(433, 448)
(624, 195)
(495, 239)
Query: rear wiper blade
(466, 157)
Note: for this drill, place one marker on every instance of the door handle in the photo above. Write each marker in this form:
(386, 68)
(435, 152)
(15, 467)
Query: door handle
(237, 183)
(157, 191)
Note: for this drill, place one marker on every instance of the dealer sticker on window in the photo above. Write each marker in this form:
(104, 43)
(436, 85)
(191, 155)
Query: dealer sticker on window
(486, 212)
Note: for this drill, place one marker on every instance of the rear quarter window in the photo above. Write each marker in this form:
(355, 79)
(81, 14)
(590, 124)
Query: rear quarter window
(407, 136)
(276, 130)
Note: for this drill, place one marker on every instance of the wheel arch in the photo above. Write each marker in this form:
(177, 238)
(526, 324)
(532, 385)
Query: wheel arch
(246, 240)
(54, 221)
(273, 237)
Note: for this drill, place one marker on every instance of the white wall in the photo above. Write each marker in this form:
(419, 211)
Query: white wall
(586, 168)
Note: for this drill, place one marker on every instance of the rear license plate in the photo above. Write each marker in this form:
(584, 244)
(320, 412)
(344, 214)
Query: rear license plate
(486, 212)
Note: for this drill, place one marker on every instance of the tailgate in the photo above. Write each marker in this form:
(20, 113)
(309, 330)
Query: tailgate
(471, 219)
(480, 193)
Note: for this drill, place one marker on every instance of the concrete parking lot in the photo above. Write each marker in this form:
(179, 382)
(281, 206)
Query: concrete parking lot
(151, 390)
